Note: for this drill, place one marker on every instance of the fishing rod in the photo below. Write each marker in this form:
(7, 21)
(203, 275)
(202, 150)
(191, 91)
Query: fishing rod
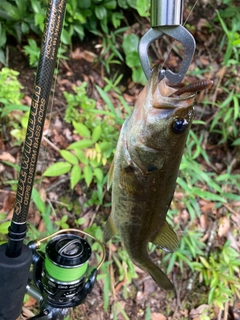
(58, 281)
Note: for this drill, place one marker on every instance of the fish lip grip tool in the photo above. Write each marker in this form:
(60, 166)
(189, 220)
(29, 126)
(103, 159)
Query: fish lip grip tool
(166, 18)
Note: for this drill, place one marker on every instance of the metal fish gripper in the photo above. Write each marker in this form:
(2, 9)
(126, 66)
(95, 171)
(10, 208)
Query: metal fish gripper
(166, 19)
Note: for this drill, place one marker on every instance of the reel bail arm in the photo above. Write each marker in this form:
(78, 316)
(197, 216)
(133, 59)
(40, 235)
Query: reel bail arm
(166, 18)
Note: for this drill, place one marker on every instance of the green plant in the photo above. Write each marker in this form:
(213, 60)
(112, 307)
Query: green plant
(20, 128)
(221, 273)
(190, 247)
(110, 53)
(232, 15)
(10, 100)
(4, 224)
(44, 210)
(130, 47)
(10, 94)
(15, 18)
(225, 121)
(33, 51)
(85, 158)
(83, 164)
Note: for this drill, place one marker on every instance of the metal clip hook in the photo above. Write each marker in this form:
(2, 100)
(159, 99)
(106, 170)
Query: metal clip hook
(166, 18)
(179, 33)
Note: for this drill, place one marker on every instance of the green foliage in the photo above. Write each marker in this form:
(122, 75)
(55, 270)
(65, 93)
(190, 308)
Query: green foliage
(190, 247)
(221, 273)
(45, 212)
(86, 158)
(20, 18)
(33, 51)
(9, 89)
(62, 223)
(225, 120)
(16, 19)
(10, 100)
(230, 22)
(111, 52)
(4, 224)
(130, 47)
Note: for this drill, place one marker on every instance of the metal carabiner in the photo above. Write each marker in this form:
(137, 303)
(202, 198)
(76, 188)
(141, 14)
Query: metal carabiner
(166, 18)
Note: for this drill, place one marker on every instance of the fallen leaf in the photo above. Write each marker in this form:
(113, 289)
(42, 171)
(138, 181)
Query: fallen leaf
(86, 55)
(233, 241)
(204, 221)
(224, 226)
(5, 156)
(43, 194)
(198, 311)
(2, 168)
(8, 202)
(158, 316)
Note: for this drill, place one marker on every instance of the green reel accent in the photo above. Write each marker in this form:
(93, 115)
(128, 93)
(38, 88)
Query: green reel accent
(65, 274)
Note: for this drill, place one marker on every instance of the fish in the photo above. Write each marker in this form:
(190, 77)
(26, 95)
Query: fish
(144, 171)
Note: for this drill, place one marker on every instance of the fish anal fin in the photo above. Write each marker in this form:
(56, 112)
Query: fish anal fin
(166, 238)
(109, 230)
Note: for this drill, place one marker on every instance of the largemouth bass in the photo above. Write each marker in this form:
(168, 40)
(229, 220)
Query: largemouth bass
(144, 173)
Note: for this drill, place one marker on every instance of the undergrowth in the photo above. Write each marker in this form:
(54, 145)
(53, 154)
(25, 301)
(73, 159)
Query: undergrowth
(86, 161)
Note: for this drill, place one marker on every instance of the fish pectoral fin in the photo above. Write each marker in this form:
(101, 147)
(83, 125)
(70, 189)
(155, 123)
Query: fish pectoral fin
(110, 175)
(166, 238)
(109, 230)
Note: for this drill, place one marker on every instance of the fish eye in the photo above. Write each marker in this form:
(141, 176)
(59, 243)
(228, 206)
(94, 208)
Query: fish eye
(179, 126)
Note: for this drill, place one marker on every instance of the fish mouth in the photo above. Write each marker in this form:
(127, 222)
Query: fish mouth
(163, 99)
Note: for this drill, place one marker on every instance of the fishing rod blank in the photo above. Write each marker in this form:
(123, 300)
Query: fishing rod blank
(15, 257)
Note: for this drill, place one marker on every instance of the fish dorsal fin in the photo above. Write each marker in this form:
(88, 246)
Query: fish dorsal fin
(109, 230)
(166, 238)
(110, 175)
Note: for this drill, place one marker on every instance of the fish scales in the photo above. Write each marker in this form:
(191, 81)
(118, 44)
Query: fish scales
(144, 173)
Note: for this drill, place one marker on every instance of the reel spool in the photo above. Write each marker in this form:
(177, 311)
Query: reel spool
(60, 273)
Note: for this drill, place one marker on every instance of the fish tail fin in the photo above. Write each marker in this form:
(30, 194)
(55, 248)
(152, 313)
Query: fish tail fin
(159, 277)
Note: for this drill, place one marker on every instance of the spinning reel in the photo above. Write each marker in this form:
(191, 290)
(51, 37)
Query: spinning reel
(59, 280)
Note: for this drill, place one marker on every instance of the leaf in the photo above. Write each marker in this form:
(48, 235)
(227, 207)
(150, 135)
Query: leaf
(38, 201)
(67, 155)
(4, 227)
(81, 129)
(57, 169)
(211, 294)
(204, 262)
(98, 174)
(97, 131)
(88, 175)
(65, 37)
(224, 226)
(100, 12)
(9, 108)
(75, 176)
(130, 43)
(81, 156)
(236, 142)
(208, 195)
(81, 144)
